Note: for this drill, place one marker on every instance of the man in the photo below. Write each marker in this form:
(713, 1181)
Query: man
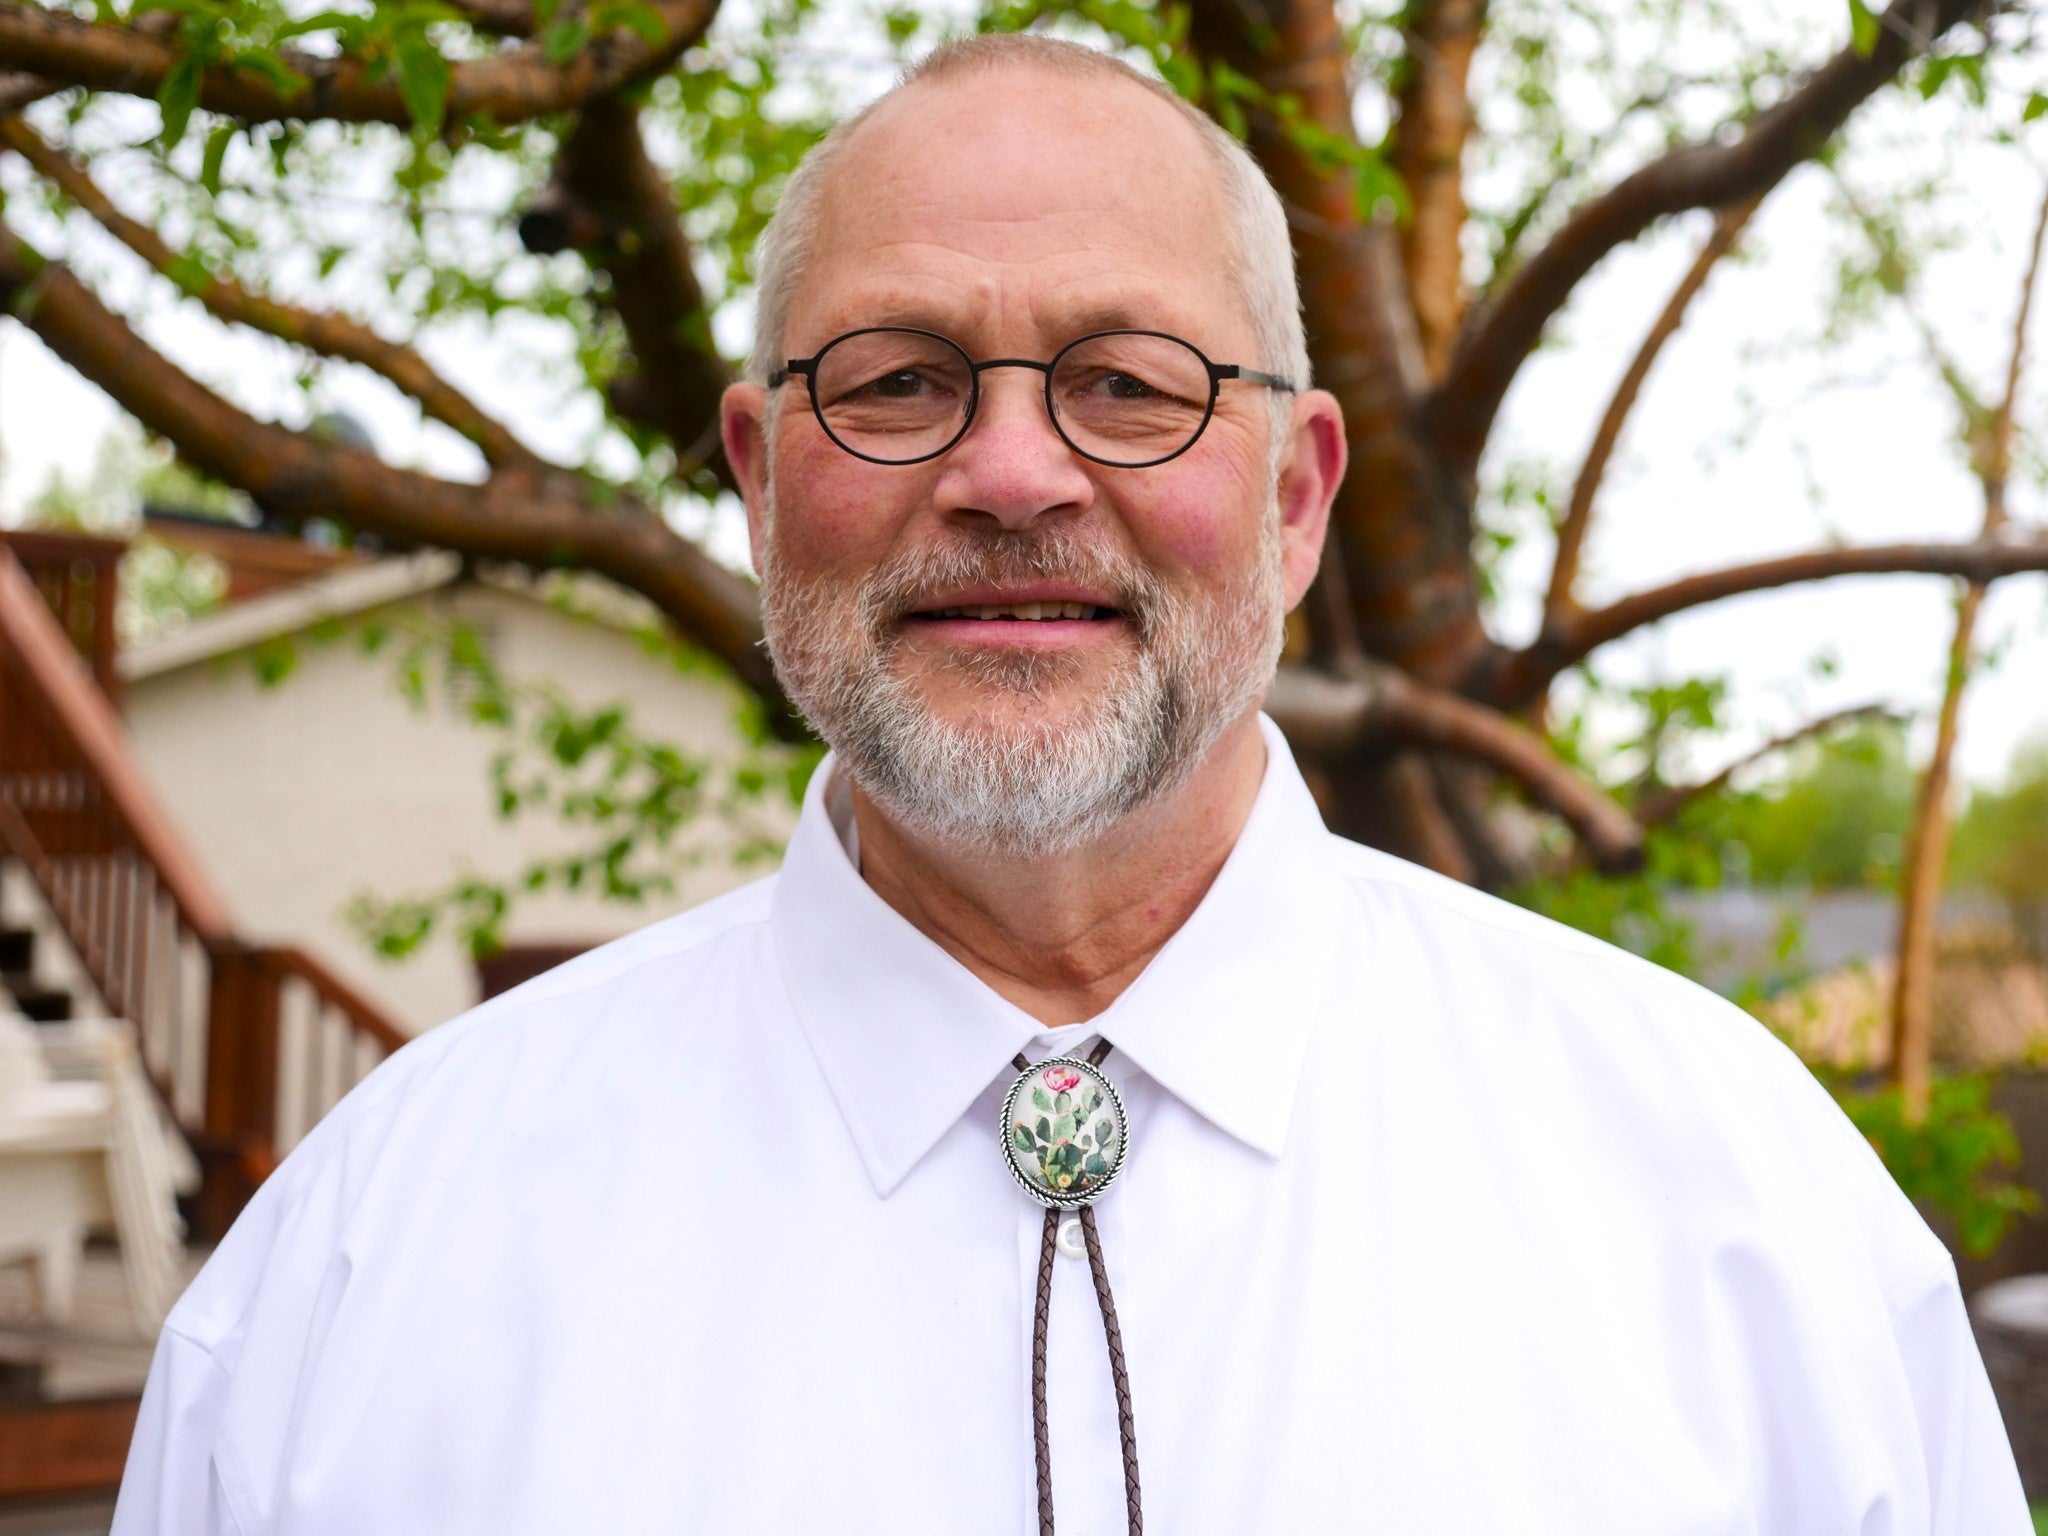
(1415, 1214)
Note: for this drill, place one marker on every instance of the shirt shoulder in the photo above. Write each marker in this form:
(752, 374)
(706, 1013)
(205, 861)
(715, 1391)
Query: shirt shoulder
(588, 1021)
(1678, 1072)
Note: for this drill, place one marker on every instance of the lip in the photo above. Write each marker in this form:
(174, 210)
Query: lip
(1030, 592)
(1018, 634)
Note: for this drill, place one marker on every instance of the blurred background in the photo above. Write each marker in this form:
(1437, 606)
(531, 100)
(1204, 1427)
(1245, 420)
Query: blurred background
(376, 628)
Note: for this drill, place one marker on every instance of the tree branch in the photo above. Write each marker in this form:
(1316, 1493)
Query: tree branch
(1406, 532)
(608, 199)
(1571, 532)
(1516, 677)
(328, 334)
(1656, 809)
(1433, 121)
(500, 18)
(1707, 174)
(1330, 716)
(512, 86)
(1998, 456)
(544, 521)
(1928, 839)
(18, 90)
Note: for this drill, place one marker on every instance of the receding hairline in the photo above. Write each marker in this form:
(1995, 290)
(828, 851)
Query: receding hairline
(1059, 65)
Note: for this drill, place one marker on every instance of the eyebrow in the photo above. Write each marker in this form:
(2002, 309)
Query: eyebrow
(1105, 315)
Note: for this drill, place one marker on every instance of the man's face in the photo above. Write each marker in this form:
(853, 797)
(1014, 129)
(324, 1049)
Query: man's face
(1010, 644)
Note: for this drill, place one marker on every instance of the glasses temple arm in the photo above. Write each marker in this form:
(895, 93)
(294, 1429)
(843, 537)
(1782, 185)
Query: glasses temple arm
(1253, 376)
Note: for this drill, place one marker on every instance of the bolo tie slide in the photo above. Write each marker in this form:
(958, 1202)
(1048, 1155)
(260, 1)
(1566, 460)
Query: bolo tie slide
(1065, 1138)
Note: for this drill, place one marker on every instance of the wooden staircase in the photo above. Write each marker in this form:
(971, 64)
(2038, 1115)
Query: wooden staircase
(248, 1043)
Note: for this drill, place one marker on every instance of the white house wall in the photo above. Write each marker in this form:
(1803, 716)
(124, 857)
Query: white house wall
(300, 796)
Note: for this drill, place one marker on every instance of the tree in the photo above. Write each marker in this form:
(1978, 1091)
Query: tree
(641, 152)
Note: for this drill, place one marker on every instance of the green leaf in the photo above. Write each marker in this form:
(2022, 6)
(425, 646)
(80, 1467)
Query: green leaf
(216, 152)
(1063, 1127)
(176, 97)
(280, 76)
(1021, 1138)
(2036, 105)
(564, 40)
(1095, 1165)
(1063, 1103)
(188, 272)
(1044, 1129)
(1041, 1099)
(1105, 1133)
(423, 81)
(1862, 28)
(640, 19)
(319, 21)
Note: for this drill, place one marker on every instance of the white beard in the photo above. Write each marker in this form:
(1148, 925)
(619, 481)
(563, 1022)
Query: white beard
(1009, 782)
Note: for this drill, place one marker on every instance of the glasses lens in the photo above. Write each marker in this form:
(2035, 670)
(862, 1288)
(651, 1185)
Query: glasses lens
(893, 395)
(1128, 398)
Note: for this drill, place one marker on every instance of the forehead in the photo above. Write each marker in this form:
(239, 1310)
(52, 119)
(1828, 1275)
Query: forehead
(1017, 201)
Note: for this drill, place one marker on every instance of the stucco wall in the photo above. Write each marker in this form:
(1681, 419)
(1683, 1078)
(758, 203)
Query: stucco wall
(298, 796)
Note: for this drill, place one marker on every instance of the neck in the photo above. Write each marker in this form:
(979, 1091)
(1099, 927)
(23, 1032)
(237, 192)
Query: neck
(1062, 935)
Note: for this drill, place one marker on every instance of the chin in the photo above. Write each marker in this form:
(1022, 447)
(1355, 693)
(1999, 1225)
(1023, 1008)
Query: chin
(1019, 691)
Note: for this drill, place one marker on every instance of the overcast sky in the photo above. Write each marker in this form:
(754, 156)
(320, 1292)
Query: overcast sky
(1881, 452)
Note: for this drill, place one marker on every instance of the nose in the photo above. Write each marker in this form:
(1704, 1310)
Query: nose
(1012, 467)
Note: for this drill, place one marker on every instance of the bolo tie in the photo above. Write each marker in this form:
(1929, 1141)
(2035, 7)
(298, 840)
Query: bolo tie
(1065, 1138)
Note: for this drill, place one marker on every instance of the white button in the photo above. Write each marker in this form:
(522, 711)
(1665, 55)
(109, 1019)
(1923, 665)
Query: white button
(1071, 1240)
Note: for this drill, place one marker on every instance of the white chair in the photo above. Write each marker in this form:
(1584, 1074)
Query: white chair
(83, 1153)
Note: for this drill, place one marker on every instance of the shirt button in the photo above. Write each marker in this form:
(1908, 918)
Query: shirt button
(1071, 1240)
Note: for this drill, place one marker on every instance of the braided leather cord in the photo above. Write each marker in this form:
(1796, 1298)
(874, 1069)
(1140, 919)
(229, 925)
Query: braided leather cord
(1040, 1323)
(1126, 1425)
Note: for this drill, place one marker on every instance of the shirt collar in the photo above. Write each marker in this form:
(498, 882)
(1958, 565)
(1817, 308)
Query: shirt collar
(908, 1038)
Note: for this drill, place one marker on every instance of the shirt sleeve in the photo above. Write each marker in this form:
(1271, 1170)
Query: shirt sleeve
(1973, 1487)
(173, 1484)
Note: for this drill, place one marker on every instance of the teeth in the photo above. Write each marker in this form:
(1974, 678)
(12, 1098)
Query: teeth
(1020, 611)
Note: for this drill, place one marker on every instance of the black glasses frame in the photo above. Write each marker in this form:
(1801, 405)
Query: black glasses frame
(806, 368)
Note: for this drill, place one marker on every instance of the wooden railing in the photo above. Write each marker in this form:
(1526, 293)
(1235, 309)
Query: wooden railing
(249, 1044)
(78, 575)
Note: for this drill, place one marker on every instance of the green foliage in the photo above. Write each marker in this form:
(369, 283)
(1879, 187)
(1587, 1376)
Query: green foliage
(1957, 1160)
(2001, 839)
(161, 588)
(1837, 819)
(1630, 911)
(629, 802)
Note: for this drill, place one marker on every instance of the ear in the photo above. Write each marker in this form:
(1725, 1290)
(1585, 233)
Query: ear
(1311, 469)
(743, 426)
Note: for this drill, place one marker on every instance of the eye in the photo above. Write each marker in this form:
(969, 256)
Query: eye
(903, 384)
(1126, 386)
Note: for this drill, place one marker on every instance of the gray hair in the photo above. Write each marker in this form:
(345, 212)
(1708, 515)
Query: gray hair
(1261, 253)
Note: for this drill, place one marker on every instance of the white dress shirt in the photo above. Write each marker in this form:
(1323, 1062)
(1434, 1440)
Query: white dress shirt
(1437, 1218)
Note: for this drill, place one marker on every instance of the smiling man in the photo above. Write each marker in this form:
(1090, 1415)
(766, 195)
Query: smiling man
(1073, 1124)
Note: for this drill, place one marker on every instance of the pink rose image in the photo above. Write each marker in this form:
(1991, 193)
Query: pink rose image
(1061, 1079)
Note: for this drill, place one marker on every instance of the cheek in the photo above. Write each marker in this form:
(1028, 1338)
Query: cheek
(1205, 519)
(831, 510)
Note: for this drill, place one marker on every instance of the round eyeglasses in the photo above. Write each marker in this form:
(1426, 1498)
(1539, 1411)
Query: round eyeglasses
(1129, 399)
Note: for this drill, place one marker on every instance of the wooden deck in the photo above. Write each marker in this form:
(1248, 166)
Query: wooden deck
(67, 1400)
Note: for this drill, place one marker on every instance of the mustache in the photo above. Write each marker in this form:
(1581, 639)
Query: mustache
(913, 579)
